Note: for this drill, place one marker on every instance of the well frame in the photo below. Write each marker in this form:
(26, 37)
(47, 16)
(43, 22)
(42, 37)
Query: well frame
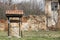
(14, 13)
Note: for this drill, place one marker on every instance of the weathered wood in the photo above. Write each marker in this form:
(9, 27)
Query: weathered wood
(14, 24)
(14, 15)
(14, 12)
(8, 26)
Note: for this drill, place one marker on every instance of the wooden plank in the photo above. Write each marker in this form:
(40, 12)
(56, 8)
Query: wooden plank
(14, 11)
(14, 15)
(14, 21)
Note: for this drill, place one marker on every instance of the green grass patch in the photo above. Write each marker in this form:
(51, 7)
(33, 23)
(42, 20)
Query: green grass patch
(33, 35)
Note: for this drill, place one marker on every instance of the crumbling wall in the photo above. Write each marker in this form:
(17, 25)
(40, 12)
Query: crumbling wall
(58, 23)
(3, 24)
(34, 23)
(51, 15)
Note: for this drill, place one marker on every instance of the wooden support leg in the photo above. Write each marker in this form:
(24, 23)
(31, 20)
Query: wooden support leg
(8, 26)
(19, 26)
(20, 22)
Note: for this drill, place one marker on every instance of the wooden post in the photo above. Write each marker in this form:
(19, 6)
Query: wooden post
(20, 23)
(19, 26)
(8, 26)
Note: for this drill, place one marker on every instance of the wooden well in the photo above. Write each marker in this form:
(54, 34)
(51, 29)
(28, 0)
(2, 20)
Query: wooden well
(14, 22)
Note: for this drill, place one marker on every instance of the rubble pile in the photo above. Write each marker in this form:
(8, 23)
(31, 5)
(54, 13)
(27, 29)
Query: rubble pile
(35, 23)
(2, 26)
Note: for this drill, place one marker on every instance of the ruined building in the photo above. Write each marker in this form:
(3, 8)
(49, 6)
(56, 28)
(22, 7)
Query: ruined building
(48, 21)
(51, 11)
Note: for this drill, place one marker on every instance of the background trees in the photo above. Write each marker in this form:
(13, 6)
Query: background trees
(31, 7)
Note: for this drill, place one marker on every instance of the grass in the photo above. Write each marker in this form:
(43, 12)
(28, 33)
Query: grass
(33, 35)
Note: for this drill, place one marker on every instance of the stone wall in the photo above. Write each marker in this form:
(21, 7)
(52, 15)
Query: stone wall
(14, 29)
(34, 23)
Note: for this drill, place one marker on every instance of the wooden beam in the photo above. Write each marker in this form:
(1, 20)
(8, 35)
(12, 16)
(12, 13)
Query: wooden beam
(14, 21)
(14, 15)
(8, 26)
(19, 26)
